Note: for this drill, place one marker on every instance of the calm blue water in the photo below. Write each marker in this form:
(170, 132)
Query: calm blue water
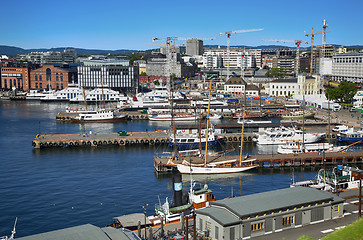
(51, 189)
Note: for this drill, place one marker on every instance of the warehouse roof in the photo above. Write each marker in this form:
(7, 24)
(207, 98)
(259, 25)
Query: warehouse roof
(82, 232)
(264, 202)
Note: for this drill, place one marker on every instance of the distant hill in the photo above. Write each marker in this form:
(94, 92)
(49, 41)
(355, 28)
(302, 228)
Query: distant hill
(13, 51)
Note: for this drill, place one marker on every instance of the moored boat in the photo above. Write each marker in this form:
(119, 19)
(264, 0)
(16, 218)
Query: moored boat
(298, 147)
(99, 116)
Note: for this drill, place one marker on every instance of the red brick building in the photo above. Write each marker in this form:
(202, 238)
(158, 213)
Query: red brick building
(57, 77)
(17, 77)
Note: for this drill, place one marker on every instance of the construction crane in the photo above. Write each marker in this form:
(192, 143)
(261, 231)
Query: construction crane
(297, 43)
(228, 33)
(312, 44)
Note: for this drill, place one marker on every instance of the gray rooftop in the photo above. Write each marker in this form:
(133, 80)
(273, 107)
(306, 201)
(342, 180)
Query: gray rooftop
(132, 220)
(264, 202)
(285, 80)
(82, 232)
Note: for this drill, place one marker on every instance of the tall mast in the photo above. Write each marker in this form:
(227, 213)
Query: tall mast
(243, 129)
(207, 130)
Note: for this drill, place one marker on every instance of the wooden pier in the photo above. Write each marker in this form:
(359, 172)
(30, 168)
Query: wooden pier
(164, 164)
(100, 139)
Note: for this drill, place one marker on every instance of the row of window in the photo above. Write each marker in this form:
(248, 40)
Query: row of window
(348, 60)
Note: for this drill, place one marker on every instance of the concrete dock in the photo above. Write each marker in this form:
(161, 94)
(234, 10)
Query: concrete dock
(99, 139)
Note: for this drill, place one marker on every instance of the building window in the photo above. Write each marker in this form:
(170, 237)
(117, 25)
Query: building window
(40, 77)
(36, 77)
(61, 85)
(40, 85)
(57, 78)
(61, 78)
(286, 221)
(201, 224)
(336, 208)
(5, 84)
(231, 233)
(257, 226)
(216, 232)
(36, 85)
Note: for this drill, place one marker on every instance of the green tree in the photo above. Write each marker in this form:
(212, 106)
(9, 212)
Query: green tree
(143, 74)
(276, 72)
(344, 93)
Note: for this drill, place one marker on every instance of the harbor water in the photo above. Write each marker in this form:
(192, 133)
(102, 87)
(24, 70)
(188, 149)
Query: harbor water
(50, 189)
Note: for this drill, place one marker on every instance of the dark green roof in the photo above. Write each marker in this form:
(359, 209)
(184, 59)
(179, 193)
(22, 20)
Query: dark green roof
(261, 203)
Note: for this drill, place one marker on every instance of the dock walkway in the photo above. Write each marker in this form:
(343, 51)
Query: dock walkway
(99, 139)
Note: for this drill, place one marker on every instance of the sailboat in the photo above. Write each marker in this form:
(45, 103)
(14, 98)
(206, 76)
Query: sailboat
(220, 167)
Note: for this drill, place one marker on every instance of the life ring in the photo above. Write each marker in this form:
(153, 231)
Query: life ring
(183, 130)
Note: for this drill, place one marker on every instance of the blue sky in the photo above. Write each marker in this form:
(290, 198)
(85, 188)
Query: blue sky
(120, 24)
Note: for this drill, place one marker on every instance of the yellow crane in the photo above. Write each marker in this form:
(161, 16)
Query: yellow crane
(312, 34)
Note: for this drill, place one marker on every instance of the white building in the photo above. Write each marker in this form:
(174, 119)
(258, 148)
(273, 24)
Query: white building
(294, 86)
(212, 59)
(348, 67)
(116, 74)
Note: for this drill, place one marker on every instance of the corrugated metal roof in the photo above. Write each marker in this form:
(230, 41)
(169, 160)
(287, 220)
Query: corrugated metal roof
(120, 234)
(221, 215)
(83, 232)
(267, 201)
(285, 80)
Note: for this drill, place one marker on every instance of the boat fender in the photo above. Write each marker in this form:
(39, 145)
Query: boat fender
(137, 142)
(142, 141)
(151, 141)
(230, 139)
(46, 144)
(95, 142)
(76, 143)
(50, 144)
(71, 144)
(84, 143)
(162, 141)
(333, 136)
(34, 144)
(157, 141)
(244, 139)
(99, 142)
(127, 142)
(115, 142)
(147, 141)
(132, 142)
(109, 142)
(122, 142)
(88, 143)
(249, 138)
(240, 138)
(235, 139)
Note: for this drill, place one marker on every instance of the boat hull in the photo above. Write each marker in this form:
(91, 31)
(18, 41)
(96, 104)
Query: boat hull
(108, 120)
(168, 118)
(194, 144)
(184, 169)
(349, 139)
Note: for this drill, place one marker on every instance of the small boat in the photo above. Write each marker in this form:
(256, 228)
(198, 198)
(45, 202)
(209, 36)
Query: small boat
(99, 116)
(222, 167)
(283, 135)
(341, 178)
(250, 121)
(168, 117)
(215, 116)
(350, 136)
(298, 115)
(184, 139)
(297, 147)
(340, 128)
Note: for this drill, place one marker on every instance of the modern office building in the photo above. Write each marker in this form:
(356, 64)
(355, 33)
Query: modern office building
(347, 67)
(286, 63)
(115, 74)
(50, 57)
(194, 47)
(264, 213)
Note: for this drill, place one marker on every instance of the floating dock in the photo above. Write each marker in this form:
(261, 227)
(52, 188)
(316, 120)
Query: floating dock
(164, 164)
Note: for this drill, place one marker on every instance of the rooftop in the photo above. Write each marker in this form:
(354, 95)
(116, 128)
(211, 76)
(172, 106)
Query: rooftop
(228, 211)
